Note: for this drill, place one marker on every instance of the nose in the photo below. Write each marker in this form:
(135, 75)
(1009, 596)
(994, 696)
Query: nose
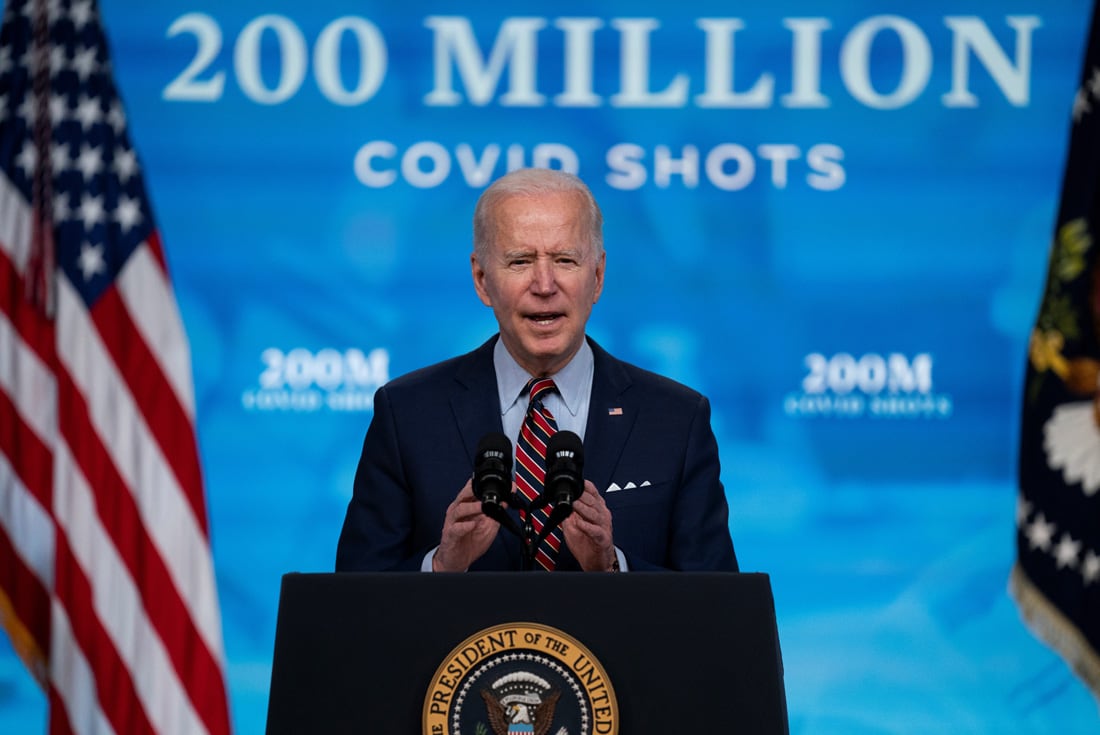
(543, 279)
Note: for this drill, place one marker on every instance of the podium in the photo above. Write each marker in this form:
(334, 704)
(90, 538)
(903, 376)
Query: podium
(681, 652)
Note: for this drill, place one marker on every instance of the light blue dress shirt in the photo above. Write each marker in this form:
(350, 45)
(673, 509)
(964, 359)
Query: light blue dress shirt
(569, 405)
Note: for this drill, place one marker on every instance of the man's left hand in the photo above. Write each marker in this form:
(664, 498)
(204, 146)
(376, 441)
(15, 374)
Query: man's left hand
(588, 531)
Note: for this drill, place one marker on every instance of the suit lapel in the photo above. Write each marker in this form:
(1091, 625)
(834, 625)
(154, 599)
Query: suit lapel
(611, 415)
(474, 402)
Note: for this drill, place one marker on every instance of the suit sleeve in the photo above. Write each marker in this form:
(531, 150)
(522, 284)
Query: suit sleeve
(699, 536)
(378, 528)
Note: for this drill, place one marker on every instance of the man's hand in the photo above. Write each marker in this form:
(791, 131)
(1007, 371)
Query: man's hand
(467, 533)
(588, 531)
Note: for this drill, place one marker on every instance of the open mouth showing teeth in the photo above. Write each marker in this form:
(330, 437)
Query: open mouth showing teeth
(543, 319)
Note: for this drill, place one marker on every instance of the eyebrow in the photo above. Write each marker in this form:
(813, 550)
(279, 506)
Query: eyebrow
(576, 253)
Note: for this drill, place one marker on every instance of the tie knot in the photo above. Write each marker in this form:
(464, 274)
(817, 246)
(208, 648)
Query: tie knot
(540, 387)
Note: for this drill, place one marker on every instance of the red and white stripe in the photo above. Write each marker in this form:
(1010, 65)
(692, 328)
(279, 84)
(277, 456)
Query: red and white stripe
(105, 566)
(535, 432)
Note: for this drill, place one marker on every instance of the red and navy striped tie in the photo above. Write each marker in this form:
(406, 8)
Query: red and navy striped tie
(538, 426)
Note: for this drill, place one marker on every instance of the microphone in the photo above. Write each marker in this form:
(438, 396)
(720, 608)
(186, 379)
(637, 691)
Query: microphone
(564, 479)
(492, 482)
(564, 470)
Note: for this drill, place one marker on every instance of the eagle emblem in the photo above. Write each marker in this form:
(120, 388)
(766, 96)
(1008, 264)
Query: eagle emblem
(521, 703)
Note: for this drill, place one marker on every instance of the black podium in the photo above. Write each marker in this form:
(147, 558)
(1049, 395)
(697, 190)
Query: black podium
(684, 652)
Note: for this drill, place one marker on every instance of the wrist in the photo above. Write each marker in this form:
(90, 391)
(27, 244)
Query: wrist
(440, 564)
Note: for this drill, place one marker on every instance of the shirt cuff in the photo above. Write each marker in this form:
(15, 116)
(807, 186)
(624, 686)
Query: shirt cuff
(618, 554)
(426, 565)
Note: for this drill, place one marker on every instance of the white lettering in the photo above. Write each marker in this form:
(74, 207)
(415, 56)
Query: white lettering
(896, 386)
(515, 53)
(824, 405)
(297, 369)
(719, 77)
(814, 382)
(372, 60)
(515, 156)
(427, 164)
(828, 173)
(477, 171)
(515, 46)
(366, 173)
(971, 33)
(727, 166)
(356, 400)
(578, 62)
(806, 63)
(437, 157)
(186, 86)
(300, 380)
(742, 174)
(779, 155)
(855, 62)
(872, 373)
(910, 376)
(282, 400)
(634, 68)
(292, 52)
(665, 166)
(627, 172)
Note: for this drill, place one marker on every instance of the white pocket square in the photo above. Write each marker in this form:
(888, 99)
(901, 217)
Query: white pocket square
(615, 487)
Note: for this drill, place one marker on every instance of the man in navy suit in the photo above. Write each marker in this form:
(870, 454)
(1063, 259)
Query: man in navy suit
(652, 495)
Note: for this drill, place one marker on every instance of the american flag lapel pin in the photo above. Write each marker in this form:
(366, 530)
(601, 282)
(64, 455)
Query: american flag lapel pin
(617, 411)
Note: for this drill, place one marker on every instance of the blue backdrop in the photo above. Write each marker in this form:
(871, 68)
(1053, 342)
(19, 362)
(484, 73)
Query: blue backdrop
(831, 220)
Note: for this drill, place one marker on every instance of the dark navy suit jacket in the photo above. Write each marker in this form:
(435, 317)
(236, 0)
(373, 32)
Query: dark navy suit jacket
(642, 428)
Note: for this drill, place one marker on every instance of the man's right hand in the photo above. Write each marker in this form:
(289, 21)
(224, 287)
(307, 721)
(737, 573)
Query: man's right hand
(467, 533)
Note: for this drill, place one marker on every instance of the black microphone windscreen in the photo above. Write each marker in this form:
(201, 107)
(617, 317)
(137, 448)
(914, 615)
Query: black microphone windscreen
(495, 446)
(492, 480)
(564, 468)
(565, 445)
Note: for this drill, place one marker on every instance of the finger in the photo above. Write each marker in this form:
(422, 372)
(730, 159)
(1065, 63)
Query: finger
(466, 494)
(464, 511)
(590, 496)
(467, 490)
(592, 507)
(597, 528)
(591, 517)
(583, 514)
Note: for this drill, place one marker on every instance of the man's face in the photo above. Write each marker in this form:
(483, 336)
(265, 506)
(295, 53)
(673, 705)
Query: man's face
(541, 279)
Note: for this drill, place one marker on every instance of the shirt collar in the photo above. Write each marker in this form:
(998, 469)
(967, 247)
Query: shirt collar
(571, 380)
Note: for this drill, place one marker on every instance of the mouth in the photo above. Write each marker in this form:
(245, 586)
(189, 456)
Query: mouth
(545, 318)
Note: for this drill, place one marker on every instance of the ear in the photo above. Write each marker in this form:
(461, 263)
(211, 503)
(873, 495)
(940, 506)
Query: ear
(480, 280)
(600, 268)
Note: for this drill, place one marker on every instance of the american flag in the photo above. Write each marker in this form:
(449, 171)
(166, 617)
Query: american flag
(107, 586)
(1056, 580)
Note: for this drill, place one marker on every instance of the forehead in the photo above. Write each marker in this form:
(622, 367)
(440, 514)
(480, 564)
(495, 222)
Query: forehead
(552, 217)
